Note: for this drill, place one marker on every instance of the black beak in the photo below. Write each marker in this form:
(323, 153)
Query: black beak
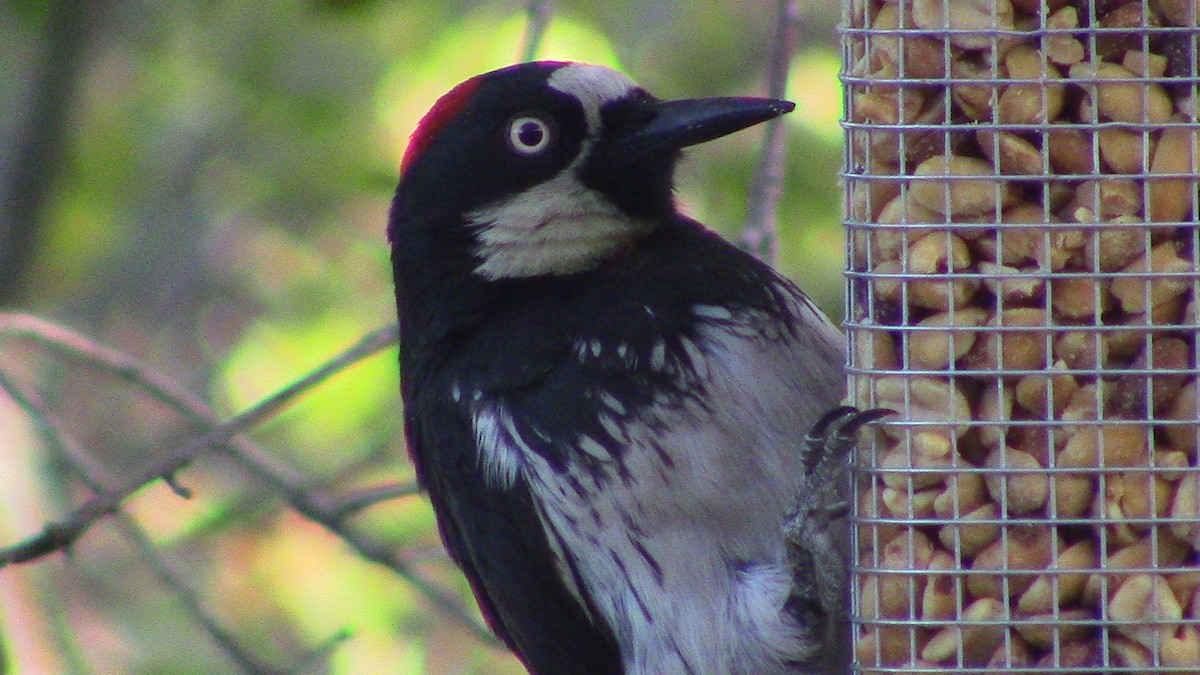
(678, 124)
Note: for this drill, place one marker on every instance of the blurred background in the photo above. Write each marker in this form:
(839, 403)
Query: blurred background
(203, 185)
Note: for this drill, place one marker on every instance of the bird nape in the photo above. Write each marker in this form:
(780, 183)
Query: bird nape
(605, 401)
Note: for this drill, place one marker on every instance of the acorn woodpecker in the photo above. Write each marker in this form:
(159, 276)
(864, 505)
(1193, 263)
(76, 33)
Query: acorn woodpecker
(605, 401)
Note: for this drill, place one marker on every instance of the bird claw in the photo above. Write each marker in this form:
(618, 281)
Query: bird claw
(817, 535)
(834, 434)
(821, 495)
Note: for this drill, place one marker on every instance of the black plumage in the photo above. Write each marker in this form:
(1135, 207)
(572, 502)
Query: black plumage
(538, 404)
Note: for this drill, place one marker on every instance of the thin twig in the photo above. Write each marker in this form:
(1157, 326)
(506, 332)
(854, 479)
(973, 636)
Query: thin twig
(171, 578)
(312, 502)
(60, 535)
(353, 503)
(72, 345)
(93, 474)
(249, 506)
(325, 513)
(538, 13)
(760, 233)
(320, 653)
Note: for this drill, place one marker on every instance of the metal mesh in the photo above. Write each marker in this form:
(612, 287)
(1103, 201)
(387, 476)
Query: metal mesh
(1022, 222)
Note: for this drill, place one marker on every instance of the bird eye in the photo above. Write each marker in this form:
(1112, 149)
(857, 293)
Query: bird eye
(528, 135)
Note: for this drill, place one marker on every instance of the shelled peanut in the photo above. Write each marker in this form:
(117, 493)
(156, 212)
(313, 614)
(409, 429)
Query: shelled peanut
(1023, 215)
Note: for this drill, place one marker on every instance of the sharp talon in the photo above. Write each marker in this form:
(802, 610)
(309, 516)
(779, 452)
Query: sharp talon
(829, 418)
(817, 436)
(845, 435)
(860, 419)
(835, 431)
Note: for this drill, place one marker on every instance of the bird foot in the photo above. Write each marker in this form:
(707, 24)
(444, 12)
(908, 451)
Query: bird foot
(817, 532)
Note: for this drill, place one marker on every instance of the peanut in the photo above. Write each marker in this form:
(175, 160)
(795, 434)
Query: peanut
(967, 186)
(1064, 580)
(995, 406)
(1062, 49)
(1012, 285)
(1180, 12)
(1162, 552)
(885, 644)
(939, 601)
(1114, 246)
(1144, 608)
(1046, 396)
(1017, 483)
(1181, 649)
(1127, 654)
(1081, 656)
(1120, 96)
(1070, 151)
(1043, 631)
(939, 253)
(927, 399)
(1185, 410)
(1125, 151)
(1038, 102)
(1010, 153)
(922, 56)
(963, 493)
(1033, 240)
(1018, 341)
(1136, 293)
(1185, 510)
(1172, 199)
(1001, 569)
(977, 640)
(968, 536)
(981, 16)
(935, 348)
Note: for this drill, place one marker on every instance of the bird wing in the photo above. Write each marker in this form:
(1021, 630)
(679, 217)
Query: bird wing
(496, 536)
(672, 508)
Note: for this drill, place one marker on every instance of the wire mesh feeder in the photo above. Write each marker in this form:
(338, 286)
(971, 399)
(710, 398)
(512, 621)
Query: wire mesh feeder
(1022, 211)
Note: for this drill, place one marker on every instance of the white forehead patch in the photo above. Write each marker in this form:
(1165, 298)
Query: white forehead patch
(593, 86)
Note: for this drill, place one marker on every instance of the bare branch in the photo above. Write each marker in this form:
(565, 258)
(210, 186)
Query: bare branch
(355, 502)
(320, 653)
(94, 476)
(760, 234)
(171, 578)
(319, 507)
(538, 13)
(312, 502)
(248, 506)
(60, 535)
(72, 345)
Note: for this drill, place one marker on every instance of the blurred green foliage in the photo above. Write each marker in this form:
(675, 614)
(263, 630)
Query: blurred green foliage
(212, 200)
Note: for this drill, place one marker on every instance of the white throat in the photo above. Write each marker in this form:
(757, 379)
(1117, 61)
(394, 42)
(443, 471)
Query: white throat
(557, 227)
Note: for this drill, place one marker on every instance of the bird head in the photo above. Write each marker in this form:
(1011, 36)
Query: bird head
(548, 168)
